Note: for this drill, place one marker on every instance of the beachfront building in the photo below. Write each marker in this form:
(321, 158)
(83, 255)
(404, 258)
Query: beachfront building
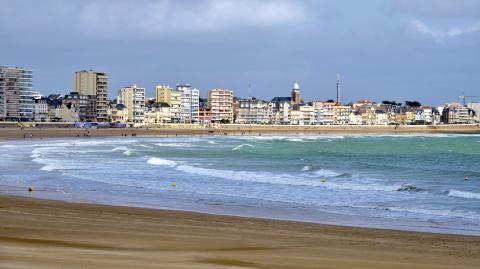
(355, 119)
(163, 94)
(172, 97)
(204, 116)
(424, 115)
(475, 107)
(295, 117)
(40, 109)
(342, 114)
(253, 111)
(454, 113)
(324, 112)
(54, 105)
(83, 105)
(133, 98)
(157, 113)
(381, 118)
(16, 102)
(119, 113)
(308, 115)
(93, 83)
(190, 103)
(281, 110)
(220, 104)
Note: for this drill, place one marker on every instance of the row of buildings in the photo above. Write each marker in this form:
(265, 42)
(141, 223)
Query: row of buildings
(88, 102)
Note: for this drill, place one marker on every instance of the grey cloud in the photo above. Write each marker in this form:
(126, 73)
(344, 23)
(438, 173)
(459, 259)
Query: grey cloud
(439, 35)
(155, 17)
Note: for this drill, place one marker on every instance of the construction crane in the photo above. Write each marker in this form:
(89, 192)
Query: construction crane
(464, 97)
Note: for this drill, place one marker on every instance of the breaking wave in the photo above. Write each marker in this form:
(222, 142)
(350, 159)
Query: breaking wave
(282, 179)
(306, 168)
(126, 151)
(464, 194)
(162, 162)
(243, 145)
(174, 145)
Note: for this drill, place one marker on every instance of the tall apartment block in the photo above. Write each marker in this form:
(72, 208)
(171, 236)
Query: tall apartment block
(94, 84)
(16, 101)
(163, 94)
(220, 102)
(133, 98)
(172, 97)
(190, 103)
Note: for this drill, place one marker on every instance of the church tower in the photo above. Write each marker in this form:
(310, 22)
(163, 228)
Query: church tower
(296, 97)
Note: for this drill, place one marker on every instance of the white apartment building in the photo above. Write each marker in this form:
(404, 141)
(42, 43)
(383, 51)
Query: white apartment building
(190, 103)
(253, 111)
(308, 115)
(295, 117)
(133, 98)
(381, 118)
(220, 103)
(342, 114)
(324, 112)
(40, 110)
(158, 113)
(281, 107)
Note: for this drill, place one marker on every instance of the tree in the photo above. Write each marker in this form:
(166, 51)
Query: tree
(330, 101)
(393, 103)
(413, 103)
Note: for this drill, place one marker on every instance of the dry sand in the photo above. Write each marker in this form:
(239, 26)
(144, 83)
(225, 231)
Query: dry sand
(51, 234)
(230, 129)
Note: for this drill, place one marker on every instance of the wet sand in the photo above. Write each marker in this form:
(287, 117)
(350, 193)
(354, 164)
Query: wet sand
(53, 234)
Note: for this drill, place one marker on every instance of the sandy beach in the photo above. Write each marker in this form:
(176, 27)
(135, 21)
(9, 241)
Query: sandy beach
(52, 234)
(9, 132)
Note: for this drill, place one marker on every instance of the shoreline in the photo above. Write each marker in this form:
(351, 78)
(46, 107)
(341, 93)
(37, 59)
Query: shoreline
(273, 213)
(56, 233)
(10, 133)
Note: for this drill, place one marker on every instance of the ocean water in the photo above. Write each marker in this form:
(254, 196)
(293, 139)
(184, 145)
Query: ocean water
(407, 182)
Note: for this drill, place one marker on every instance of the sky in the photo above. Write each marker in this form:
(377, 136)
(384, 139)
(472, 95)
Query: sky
(383, 50)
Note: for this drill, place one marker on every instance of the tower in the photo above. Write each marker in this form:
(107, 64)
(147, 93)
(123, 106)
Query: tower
(338, 88)
(296, 98)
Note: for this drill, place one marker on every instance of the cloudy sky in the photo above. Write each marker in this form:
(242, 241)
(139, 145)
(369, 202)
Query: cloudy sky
(396, 50)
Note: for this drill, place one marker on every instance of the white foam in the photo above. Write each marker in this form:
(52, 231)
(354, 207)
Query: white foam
(120, 148)
(145, 146)
(297, 138)
(436, 212)
(51, 167)
(326, 173)
(175, 145)
(243, 145)
(307, 168)
(8, 146)
(214, 143)
(464, 194)
(283, 179)
(126, 151)
(162, 162)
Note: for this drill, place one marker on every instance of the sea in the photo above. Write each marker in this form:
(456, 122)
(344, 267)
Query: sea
(428, 183)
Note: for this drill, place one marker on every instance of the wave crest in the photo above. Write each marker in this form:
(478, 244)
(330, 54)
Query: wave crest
(161, 162)
(464, 194)
(243, 145)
